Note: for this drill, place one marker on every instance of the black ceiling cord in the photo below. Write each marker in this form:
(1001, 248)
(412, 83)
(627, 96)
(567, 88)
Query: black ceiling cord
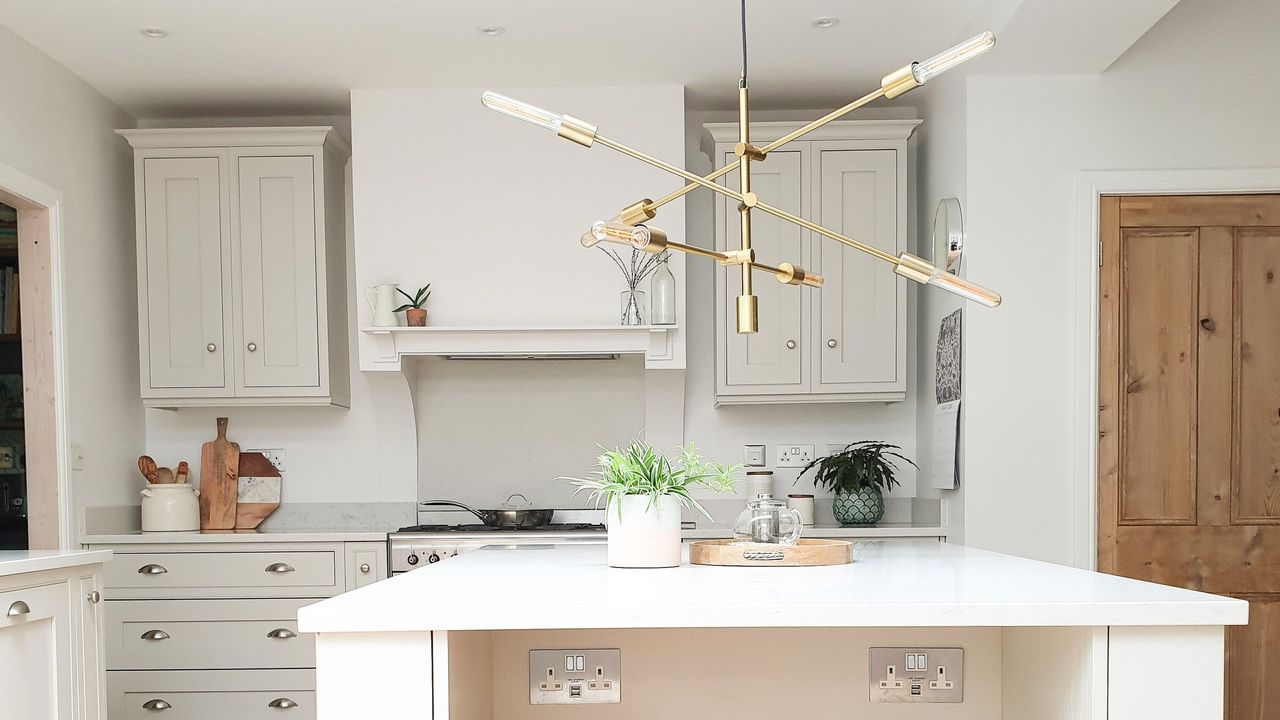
(743, 82)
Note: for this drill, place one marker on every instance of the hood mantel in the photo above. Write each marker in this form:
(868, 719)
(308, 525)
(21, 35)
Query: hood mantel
(393, 344)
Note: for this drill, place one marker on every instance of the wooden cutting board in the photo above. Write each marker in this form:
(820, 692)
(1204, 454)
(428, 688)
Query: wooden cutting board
(746, 554)
(219, 481)
(258, 477)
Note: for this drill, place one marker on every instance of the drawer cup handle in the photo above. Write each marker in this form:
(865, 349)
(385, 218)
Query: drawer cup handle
(282, 634)
(18, 609)
(155, 635)
(279, 568)
(156, 704)
(152, 569)
(282, 704)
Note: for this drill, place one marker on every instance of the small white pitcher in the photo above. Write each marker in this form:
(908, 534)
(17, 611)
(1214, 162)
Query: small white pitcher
(382, 298)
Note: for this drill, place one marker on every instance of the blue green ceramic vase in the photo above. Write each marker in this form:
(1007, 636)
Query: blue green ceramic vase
(864, 506)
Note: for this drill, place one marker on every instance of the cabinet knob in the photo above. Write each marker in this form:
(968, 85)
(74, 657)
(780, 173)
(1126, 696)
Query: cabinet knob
(156, 704)
(94, 597)
(279, 568)
(791, 344)
(18, 609)
(155, 635)
(211, 347)
(282, 704)
(252, 347)
(364, 568)
(282, 634)
(152, 569)
(831, 343)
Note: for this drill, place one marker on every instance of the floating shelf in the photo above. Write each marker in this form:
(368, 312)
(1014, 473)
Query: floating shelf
(393, 344)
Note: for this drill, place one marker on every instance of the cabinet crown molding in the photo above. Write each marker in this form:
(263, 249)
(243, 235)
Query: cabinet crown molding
(764, 132)
(306, 136)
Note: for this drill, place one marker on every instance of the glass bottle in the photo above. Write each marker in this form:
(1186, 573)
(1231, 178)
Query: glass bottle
(662, 293)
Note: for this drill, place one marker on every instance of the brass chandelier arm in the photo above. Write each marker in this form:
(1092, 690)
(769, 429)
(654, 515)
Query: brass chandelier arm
(814, 227)
(695, 179)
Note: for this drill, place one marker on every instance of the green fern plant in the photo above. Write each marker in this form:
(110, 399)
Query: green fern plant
(861, 465)
(641, 470)
(416, 300)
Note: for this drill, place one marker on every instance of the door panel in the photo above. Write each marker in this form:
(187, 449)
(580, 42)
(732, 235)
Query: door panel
(857, 306)
(1253, 661)
(37, 662)
(1256, 480)
(767, 358)
(184, 275)
(279, 341)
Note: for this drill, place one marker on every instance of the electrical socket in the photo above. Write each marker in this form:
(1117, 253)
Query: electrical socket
(575, 677)
(275, 455)
(916, 675)
(794, 455)
(753, 455)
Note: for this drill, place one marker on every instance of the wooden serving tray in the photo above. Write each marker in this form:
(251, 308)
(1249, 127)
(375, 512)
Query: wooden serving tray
(746, 554)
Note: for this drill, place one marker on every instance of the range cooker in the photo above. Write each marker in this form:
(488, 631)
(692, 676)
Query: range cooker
(422, 545)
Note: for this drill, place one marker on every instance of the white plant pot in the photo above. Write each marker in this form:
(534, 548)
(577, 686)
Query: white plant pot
(641, 535)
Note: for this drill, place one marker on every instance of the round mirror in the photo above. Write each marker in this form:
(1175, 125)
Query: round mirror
(948, 235)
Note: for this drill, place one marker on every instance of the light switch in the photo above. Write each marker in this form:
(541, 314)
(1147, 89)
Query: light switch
(753, 455)
(581, 663)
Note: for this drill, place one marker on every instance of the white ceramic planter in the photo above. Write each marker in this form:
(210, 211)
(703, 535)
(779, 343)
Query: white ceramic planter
(170, 507)
(644, 536)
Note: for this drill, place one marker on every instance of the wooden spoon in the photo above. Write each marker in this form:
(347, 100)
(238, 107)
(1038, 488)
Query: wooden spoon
(164, 476)
(183, 472)
(148, 468)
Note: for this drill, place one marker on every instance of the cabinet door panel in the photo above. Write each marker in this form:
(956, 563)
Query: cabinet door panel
(857, 308)
(773, 359)
(278, 334)
(183, 281)
(36, 654)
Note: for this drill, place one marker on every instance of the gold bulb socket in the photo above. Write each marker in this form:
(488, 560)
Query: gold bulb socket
(637, 212)
(748, 315)
(738, 257)
(577, 130)
(792, 275)
(899, 81)
(749, 151)
(914, 268)
(649, 239)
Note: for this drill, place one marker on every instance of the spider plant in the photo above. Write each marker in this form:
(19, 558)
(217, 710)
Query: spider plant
(416, 300)
(862, 465)
(641, 470)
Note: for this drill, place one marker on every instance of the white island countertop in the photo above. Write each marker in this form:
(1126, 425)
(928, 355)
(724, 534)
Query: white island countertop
(898, 584)
(16, 562)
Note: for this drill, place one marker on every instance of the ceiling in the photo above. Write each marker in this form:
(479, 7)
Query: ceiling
(302, 56)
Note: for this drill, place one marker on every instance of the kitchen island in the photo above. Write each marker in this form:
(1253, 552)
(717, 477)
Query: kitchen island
(1039, 640)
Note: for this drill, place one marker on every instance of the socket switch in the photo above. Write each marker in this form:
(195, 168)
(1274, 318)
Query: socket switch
(916, 675)
(794, 455)
(575, 677)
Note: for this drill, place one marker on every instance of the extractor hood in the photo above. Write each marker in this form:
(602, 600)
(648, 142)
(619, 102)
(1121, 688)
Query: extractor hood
(392, 344)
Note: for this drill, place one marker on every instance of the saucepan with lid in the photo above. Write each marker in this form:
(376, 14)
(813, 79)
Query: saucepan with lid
(513, 514)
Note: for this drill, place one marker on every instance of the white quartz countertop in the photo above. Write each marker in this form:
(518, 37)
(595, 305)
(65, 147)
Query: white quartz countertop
(17, 562)
(889, 584)
(273, 535)
(882, 530)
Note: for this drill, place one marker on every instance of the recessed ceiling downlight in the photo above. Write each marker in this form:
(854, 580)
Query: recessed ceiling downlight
(824, 23)
(491, 30)
(154, 33)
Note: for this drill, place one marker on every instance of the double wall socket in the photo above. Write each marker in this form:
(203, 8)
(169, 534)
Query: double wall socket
(794, 455)
(916, 675)
(575, 677)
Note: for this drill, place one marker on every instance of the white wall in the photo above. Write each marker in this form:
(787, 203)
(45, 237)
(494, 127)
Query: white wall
(58, 130)
(1196, 92)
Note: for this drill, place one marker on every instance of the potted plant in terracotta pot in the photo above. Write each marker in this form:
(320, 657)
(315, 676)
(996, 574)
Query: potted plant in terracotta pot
(859, 475)
(414, 314)
(643, 492)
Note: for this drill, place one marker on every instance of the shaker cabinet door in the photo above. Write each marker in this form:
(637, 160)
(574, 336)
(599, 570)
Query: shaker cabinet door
(858, 316)
(37, 656)
(274, 258)
(773, 359)
(184, 324)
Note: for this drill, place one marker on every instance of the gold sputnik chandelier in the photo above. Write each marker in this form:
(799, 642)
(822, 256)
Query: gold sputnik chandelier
(631, 225)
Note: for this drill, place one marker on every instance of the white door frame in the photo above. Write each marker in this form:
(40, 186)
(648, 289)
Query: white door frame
(37, 193)
(1090, 186)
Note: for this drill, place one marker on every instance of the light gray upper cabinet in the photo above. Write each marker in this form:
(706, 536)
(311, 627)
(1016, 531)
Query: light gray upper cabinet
(845, 342)
(241, 266)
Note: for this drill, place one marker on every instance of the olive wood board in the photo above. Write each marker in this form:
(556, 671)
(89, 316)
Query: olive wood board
(748, 554)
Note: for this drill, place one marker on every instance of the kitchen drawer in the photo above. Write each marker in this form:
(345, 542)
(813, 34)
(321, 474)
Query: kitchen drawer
(275, 573)
(212, 695)
(207, 635)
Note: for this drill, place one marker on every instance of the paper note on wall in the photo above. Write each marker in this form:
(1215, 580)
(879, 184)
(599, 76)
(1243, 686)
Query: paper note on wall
(946, 435)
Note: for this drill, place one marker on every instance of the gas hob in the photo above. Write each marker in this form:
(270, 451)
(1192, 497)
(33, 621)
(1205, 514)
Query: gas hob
(419, 546)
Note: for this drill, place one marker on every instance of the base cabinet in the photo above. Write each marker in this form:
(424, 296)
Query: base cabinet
(211, 695)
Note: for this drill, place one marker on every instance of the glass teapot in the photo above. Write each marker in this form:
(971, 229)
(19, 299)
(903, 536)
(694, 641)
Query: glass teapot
(767, 520)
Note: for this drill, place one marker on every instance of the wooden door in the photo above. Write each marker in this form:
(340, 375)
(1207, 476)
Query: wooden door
(858, 332)
(771, 360)
(184, 326)
(1189, 413)
(277, 302)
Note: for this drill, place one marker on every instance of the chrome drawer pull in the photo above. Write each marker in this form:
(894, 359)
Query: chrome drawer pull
(282, 634)
(279, 568)
(155, 635)
(156, 704)
(18, 609)
(282, 704)
(152, 569)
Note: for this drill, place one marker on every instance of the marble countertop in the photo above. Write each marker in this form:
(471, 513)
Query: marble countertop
(275, 535)
(17, 562)
(913, 583)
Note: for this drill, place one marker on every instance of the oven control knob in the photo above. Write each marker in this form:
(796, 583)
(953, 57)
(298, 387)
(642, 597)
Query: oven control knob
(413, 559)
(434, 558)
